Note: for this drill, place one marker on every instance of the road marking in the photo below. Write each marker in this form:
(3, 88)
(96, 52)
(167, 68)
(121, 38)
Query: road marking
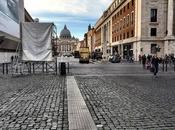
(78, 114)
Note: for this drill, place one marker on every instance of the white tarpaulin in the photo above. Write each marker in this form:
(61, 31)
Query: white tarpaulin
(36, 41)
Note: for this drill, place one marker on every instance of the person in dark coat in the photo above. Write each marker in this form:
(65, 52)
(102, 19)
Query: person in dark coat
(140, 59)
(12, 59)
(155, 64)
(143, 61)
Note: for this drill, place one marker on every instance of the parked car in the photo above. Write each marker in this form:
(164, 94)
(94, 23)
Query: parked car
(67, 55)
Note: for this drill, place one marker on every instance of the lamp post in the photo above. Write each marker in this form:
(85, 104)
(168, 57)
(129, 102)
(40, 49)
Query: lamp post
(125, 52)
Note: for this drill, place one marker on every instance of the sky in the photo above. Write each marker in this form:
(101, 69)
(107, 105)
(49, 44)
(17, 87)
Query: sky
(76, 14)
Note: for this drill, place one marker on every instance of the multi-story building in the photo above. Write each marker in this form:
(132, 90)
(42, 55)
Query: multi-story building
(103, 36)
(137, 27)
(28, 17)
(98, 46)
(90, 39)
(12, 13)
(66, 43)
(83, 43)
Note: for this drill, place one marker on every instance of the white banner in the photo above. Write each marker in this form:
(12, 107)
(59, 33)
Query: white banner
(10, 17)
(36, 41)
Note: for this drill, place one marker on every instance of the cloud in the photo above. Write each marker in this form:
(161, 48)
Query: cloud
(76, 7)
(77, 14)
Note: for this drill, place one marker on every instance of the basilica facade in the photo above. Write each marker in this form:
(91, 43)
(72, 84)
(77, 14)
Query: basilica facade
(65, 44)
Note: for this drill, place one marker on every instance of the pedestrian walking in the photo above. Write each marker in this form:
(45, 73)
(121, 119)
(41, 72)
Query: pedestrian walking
(143, 61)
(140, 59)
(155, 65)
(12, 59)
(148, 62)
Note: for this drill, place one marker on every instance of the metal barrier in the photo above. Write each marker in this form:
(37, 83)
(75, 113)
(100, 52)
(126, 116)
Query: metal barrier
(34, 67)
(4, 67)
(29, 67)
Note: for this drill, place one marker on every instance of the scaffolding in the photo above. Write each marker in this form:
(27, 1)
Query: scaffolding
(20, 67)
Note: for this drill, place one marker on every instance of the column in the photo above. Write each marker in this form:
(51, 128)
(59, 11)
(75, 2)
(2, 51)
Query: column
(66, 48)
(135, 51)
(119, 49)
(122, 51)
(71, 48)
(169, 42)
(21, 11)
(170, 17)
(103, 41)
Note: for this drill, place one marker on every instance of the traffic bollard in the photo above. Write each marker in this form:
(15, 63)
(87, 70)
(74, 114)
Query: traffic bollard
(63, 68)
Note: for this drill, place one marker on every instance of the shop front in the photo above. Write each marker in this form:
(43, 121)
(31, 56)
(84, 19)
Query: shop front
(127, 50)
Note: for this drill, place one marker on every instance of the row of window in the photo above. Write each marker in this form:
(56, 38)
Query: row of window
(112, 8)
(129, 20)
(65, 37)
(123, 10)
(153, 16)
(123, 23)
(153, 32)
(115, 4)
(124, 36)
(64, 48)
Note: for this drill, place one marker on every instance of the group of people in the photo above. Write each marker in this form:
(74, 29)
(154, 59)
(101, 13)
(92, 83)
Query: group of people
(96, 55)
(14, 59)
(130, 59)
(150, 62)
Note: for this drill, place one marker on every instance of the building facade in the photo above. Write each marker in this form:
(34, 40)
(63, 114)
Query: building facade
(66, 43)
(136, 27)
(91, 39)
(10, 43)
(28, 17)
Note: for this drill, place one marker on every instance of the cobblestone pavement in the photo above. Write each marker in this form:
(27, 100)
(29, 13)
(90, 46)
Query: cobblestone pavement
(118, 96)
(33, 102)
(130, 102)
(110, 68)
(103, 69)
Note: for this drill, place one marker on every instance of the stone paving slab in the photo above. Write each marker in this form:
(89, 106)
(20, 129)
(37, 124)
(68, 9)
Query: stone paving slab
(78, 113)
